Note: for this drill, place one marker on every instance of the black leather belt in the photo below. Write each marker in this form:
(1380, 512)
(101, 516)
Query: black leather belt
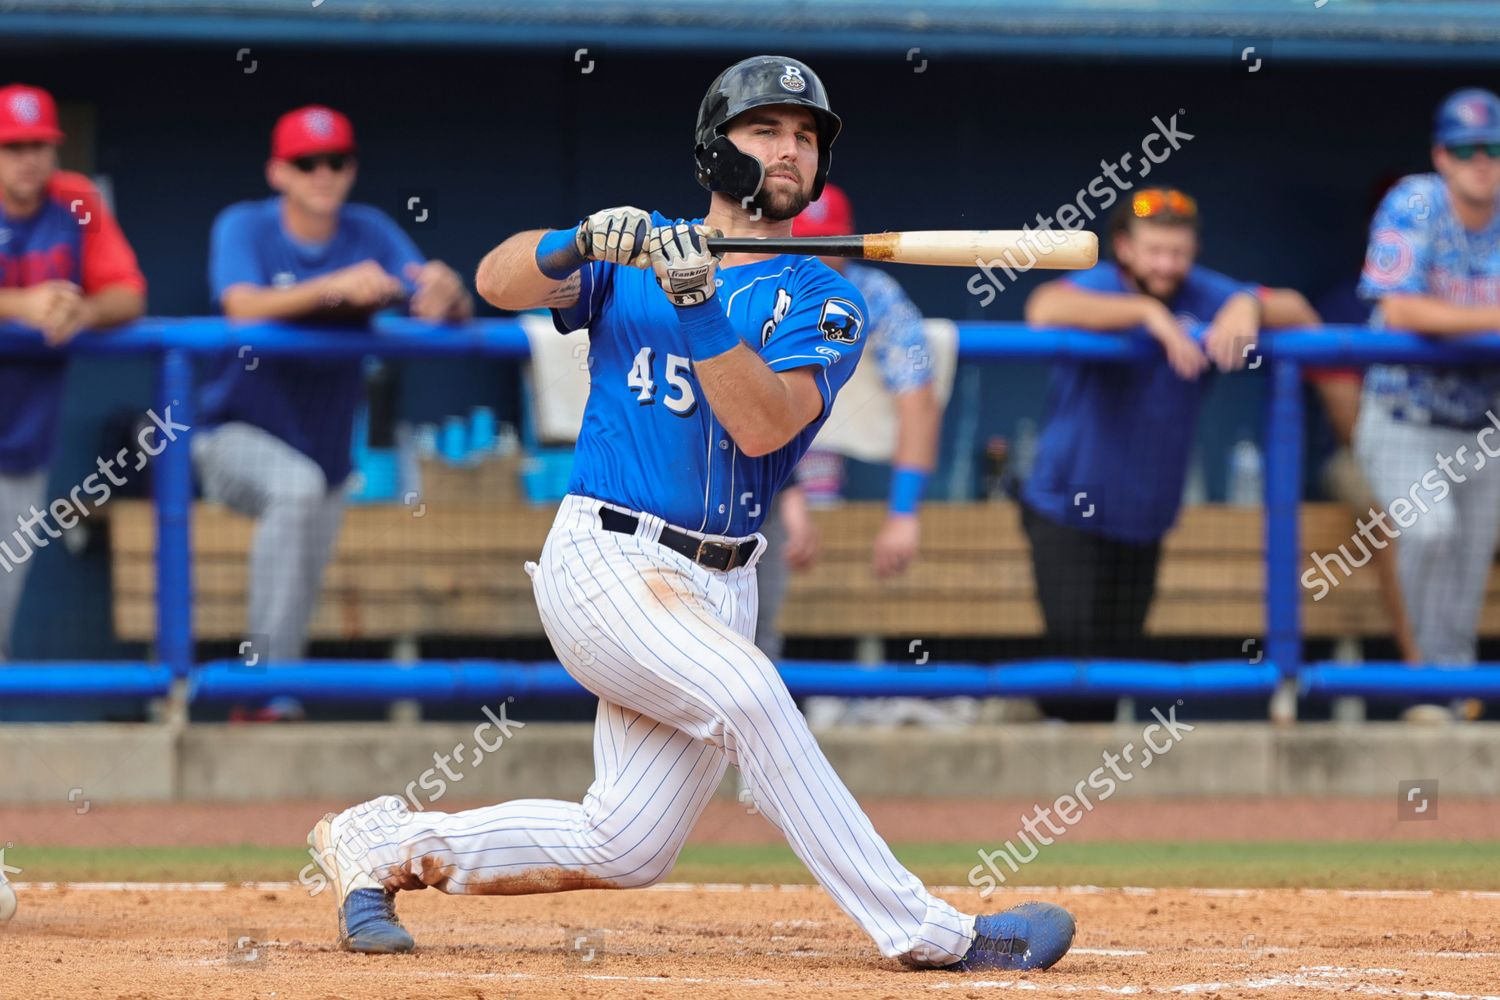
(721, 556)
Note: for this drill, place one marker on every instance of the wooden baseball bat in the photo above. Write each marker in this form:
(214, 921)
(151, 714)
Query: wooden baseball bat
(1013, 248)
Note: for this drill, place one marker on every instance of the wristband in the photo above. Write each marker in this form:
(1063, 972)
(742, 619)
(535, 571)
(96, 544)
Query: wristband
(907, 485)
(709, 332)
(557, 254)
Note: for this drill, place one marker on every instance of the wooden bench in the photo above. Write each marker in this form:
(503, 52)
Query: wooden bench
(456, 570)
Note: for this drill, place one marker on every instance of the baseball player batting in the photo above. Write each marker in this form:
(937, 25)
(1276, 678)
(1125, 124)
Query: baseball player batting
(710, 378)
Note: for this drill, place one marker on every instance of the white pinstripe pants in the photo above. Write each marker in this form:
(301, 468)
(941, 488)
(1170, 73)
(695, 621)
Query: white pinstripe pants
(683, 692)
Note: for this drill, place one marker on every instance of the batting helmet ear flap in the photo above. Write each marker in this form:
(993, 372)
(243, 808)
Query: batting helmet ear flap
(723, 167)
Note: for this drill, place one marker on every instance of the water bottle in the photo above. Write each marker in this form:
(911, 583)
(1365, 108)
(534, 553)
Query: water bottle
(1246, 474)
(482, 431)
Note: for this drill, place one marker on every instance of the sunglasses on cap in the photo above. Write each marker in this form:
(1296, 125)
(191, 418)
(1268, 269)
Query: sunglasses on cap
(1162, 201)
(1466, 150)
(337, 162)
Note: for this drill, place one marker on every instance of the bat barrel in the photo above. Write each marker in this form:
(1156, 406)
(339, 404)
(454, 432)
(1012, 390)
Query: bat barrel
(1015, 249)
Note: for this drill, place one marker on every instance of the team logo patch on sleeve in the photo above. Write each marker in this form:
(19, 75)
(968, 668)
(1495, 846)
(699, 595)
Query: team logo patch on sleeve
(840, 321)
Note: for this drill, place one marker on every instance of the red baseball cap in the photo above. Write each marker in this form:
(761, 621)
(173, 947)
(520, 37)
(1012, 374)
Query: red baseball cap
(309, 131)
(28, 114)
(830, 215)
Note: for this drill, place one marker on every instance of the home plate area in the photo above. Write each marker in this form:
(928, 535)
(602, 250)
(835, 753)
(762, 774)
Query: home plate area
(209, 940)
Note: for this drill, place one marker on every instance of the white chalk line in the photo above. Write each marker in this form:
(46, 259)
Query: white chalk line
(1326, 978)
(736, 887)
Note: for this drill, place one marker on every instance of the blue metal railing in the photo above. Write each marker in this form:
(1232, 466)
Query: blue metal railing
(176, 341)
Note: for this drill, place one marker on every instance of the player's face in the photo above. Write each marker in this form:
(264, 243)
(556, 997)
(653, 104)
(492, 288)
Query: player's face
(1475, 179)
(317, 184)
(784, 137)
(24, 169)
(1158, 257)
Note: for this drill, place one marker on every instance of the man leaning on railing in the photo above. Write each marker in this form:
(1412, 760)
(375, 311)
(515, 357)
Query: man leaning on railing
(65, 267)
(1114, 452)
(1433, 267)
(274, 442)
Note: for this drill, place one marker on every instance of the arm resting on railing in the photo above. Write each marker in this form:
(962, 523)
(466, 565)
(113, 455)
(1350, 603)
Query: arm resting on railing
(60, 310)
(1434, 317)
(1060, 303)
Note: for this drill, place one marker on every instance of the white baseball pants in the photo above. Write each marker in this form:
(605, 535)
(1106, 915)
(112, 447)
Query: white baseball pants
(683, 692)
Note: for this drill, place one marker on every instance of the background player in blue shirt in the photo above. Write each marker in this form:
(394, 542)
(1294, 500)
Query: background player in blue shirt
(275, 433)
(1433, 267)
(709, 380)
(65, 267)
(1113, 455)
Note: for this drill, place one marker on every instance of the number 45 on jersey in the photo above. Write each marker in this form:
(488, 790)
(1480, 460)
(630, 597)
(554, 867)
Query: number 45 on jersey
(684, 402)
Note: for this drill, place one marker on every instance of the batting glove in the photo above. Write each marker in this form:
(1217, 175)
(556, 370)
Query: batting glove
(685, 267)
(615, 235)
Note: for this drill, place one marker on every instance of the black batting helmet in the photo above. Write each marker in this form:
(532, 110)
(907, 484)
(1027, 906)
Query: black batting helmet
(754, 83)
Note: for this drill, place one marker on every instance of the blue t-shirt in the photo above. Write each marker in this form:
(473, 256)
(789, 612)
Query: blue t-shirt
(1113, 454)
(1418, 247)
(308, 403)
(649, 441)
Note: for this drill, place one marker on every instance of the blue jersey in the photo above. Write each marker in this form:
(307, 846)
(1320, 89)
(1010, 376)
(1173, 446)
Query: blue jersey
(1418, 247)
(649, 441)
(1113, 454)
(71, 237)
(308, 403)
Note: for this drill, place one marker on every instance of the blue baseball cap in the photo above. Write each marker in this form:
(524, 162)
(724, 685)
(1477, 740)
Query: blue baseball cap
(1471, 115)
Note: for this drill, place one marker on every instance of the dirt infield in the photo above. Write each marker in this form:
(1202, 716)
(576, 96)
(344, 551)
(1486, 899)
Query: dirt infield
(676, 941)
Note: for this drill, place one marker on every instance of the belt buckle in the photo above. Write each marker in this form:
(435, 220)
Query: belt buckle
(728, 548)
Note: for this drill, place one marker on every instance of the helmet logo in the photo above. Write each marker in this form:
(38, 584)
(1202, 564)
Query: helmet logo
(793, 80)
(28, 109)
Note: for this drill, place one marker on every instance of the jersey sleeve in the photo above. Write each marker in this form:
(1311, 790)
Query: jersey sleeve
(1102, 277)
(392, 248)
(594, 278)
(108, 259)
(1400, 250)
(232, 259)
(824, 329)
(897, 336)
(1214, 289)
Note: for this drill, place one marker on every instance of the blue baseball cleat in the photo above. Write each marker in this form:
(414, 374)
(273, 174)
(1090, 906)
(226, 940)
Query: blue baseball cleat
(367, 912)
(1029, 936)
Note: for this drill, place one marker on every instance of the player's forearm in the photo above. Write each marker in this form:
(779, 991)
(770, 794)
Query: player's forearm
(1057, 304)
(1287, 307)
(304, 300)
(112, 306)
(1434, 317)
(754, 404)
(510, 276)
(918, 421)
(12, 303)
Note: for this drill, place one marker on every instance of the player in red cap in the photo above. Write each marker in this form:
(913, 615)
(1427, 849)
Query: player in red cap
(899, 345)
(275, 433)
(65, 267)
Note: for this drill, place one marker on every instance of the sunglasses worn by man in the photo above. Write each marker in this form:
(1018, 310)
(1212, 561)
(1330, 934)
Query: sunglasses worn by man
(337, 162)
(1163, 201)
(1466, 150)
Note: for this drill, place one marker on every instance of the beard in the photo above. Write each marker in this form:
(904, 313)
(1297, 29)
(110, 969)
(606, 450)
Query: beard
(1146, 288)
(782, 203)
